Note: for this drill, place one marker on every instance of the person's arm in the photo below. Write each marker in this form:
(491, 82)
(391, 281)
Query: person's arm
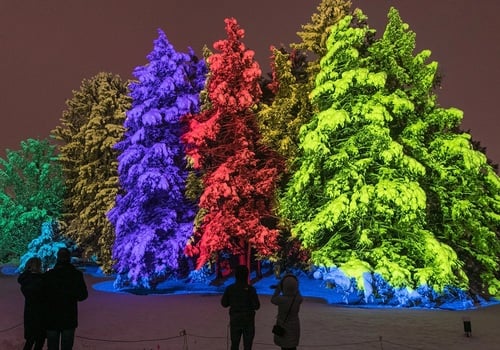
(23, 281)
(82, 292)
(276, 297)
(254, 298)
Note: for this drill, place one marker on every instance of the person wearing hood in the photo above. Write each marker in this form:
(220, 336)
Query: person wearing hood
(243, 301)
(63, 288)
(288, 299)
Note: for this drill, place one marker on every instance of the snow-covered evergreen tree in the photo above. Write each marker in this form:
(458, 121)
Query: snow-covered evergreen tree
(293, 73)
(314, 34)
(386, 184)
(90, 126)
(46, 246)
(152, 218)
(282, 115)
(239, 173)
(31, 192)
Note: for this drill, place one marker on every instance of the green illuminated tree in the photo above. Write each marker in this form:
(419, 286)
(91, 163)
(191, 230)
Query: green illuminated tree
(90, 126)
(379, 187)
(31, 192)
(461, 186)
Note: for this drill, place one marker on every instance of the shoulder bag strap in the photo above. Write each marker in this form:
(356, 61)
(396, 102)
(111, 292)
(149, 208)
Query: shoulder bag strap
(288, 313)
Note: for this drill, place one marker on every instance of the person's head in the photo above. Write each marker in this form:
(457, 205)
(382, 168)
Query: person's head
(241, 273)
(34, 265)
(289, 284)
(63, 256)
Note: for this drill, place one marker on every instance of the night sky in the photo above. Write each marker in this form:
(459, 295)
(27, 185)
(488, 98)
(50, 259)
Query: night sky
(48, 47)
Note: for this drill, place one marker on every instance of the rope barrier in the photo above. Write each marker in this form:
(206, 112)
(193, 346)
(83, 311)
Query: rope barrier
(11, 328)
(184, 334)
(404, 346)
(204, 336)
(181, 334)
(329, 346)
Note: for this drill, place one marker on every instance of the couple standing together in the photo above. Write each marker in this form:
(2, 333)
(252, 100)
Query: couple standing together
(243, 301)
(50, 302)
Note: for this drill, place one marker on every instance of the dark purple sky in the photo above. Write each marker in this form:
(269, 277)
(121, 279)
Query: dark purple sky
(48, 47)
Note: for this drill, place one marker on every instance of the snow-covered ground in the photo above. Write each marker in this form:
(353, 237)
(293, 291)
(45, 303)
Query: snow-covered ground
(330, 285)
(176, 320)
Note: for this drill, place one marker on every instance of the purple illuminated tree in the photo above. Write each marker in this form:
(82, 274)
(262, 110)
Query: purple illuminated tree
(152, 217)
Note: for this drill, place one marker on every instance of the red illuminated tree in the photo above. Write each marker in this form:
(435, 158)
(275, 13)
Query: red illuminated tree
(239, 173)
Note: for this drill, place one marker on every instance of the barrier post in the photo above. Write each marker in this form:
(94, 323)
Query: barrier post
(185, 343)
(467, 326)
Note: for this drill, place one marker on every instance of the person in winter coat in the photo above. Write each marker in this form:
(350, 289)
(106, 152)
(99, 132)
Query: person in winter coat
(63, 288)
(288, 299)
(31, 287)
(243, 301)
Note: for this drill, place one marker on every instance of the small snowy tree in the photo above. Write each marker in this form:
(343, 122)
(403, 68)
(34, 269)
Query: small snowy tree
(46, 246)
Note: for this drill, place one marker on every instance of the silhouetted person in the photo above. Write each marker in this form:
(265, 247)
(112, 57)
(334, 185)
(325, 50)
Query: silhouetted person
(31, 287)
(288, 299)
(63, 288)
(242, 300)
